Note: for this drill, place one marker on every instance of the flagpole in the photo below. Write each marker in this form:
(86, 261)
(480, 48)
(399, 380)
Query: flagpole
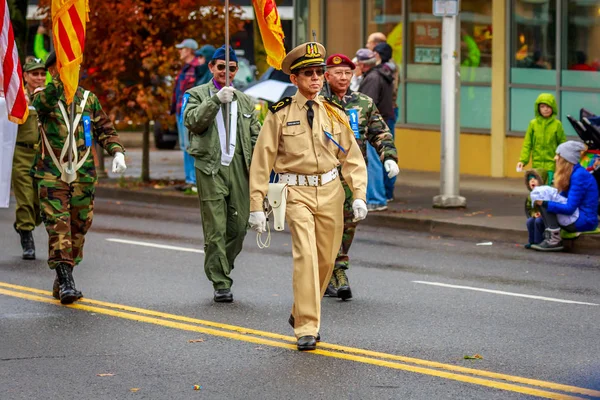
(227, 105)
(70, 138)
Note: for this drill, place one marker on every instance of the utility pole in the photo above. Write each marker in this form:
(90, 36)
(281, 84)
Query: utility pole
(450, 119)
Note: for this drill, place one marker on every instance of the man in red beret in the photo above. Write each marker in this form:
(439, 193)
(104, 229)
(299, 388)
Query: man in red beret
(367, 125)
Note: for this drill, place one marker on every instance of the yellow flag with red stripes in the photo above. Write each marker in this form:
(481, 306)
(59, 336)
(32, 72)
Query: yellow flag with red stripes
(68, 29)
(271, 31)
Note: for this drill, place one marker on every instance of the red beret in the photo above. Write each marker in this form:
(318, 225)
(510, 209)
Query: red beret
(336, 60)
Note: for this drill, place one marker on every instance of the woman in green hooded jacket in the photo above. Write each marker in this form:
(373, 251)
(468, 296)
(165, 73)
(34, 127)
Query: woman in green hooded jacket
(544, 133)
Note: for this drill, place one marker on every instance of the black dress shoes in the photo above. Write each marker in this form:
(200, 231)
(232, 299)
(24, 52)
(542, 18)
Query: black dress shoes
(223, 296)
(307, 343)
(292, 322)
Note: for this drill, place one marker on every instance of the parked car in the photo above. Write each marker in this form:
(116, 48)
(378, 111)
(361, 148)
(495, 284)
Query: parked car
(245, 75)
(165, 133)
(272, 86)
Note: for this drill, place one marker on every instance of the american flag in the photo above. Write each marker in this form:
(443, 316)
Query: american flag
(11, 78)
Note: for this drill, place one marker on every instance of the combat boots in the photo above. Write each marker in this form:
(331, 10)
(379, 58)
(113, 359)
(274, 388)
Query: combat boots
(26, 243)
(343, 290)
(56, 288)
(552, 241)
(331, 290)
(66, 285)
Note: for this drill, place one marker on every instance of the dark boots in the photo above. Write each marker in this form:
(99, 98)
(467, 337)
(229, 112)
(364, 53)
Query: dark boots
(331, 290)
(552, 241)
(67, 293)
(26, 243)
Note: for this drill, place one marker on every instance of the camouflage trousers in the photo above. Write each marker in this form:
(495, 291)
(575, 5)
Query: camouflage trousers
(67, 212)
(342, 260)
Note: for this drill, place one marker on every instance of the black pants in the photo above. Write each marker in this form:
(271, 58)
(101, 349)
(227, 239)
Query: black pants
(551, 221)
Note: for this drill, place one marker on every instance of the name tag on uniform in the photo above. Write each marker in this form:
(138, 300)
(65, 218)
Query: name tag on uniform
(87, 130)
(292, 123)
(353, 116)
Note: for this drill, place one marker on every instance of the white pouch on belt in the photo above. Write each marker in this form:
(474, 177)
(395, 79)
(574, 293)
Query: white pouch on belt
(277, 196)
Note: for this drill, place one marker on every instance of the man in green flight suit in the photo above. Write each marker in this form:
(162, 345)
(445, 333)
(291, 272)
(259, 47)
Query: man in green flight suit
(221, 173)
(66, 189)
(368, 126)
(28, 136)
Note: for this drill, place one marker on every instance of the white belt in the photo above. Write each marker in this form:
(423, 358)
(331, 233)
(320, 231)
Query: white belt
(309, 180)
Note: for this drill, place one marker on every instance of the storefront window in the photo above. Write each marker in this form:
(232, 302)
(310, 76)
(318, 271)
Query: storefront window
(581, 44)
(533, 52)
(347, 13)
(424, 59)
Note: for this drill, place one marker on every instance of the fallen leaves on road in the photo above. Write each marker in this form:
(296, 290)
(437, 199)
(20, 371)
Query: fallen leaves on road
(474, 357)
(197, 387)
(195, 340)
(133, 390)
(107, 374)
(474, 213)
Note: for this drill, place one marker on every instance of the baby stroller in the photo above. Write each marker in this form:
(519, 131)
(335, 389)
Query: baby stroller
(588, 129)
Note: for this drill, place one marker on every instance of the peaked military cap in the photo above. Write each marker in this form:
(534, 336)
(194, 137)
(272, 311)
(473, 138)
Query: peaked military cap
(311, 54)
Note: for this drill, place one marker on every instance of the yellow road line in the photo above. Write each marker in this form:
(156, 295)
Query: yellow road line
(242, 331)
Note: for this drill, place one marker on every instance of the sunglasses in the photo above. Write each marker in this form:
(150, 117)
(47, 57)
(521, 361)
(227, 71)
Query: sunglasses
(310, 72)
(221, 67)
(37, 73)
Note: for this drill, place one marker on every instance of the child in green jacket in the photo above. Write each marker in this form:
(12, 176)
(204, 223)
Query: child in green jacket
(544, 134)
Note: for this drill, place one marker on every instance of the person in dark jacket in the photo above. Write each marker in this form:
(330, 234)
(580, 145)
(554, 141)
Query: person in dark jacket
(581, 191)
(378, 84)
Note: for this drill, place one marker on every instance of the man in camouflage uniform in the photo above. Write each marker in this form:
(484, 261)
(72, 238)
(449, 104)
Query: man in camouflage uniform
(66, 197)
(367, 125)
(27, 215)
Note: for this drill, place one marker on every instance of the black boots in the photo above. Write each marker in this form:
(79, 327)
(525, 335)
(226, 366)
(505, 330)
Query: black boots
(26, 243)
(223, 296)
(67, 293)
(56, 288)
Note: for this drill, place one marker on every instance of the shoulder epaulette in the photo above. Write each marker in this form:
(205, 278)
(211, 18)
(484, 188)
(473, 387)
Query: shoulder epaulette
(333, 103)
(281, 104)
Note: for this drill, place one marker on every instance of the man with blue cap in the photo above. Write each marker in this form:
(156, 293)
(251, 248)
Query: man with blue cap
(222, 172)
(188, 77)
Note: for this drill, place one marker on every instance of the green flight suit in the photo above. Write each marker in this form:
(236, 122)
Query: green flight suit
(223, 190)
(23, 184)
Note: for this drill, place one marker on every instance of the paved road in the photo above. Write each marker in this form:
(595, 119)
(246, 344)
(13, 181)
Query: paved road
(418, 304)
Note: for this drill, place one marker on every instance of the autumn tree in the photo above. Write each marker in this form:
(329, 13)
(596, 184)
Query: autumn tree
(130, 60)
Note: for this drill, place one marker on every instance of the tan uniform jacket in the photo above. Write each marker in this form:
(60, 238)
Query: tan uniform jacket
(287, 145)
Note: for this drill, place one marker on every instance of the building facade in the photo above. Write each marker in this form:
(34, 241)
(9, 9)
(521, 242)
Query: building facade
(511, 51)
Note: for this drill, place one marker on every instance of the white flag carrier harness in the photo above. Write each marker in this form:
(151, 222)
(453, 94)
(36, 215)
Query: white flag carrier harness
(62, 165)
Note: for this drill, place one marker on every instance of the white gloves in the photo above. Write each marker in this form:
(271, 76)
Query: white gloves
(391, 167)
(119, 166)
(225, 95)
(360, 209)
(258, 221)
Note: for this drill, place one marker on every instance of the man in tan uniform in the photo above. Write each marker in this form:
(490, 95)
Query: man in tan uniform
(304, 138)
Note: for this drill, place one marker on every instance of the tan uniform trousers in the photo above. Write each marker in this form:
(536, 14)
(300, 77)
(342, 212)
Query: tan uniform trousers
(315, 216)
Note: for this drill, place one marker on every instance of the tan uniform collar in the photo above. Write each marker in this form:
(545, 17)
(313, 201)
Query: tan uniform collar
(301, 100)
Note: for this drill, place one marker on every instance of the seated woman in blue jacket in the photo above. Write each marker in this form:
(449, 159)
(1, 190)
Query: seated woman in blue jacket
(581, 191)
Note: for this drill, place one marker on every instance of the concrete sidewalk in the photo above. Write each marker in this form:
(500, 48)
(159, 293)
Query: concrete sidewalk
(494, 212)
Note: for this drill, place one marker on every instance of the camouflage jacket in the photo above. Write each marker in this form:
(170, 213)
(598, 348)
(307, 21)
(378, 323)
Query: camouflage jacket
(371, 125)
(53, 125)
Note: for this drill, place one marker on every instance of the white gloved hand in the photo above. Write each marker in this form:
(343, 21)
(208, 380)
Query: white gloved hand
(258, 221)
(119, 165)
(360, 209)
(225, 95)
(391, 167)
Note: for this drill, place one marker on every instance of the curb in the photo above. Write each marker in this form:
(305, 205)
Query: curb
(589, 244)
